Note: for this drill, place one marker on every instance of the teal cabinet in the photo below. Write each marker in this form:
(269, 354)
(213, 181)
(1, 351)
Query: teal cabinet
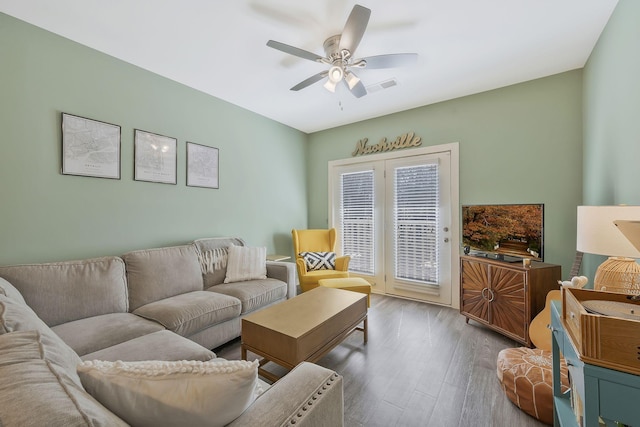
(608, 397)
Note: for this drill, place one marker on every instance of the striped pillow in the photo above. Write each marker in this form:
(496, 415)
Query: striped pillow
(246, 263)
(319, 260)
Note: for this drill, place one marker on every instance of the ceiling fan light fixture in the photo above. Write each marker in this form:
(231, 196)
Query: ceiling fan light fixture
(352, 79)
(330, 85)
(336, 74)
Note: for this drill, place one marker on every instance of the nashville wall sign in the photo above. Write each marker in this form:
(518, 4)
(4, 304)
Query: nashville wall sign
(406, 140)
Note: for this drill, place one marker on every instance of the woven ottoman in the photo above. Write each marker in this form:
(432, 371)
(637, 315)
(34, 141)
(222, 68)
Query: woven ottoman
(355, 284)
(527, 379)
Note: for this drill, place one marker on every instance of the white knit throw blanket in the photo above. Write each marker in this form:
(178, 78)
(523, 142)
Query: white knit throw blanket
(213, 259)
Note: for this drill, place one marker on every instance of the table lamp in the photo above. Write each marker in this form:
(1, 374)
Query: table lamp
(599, 234)
(631, 230)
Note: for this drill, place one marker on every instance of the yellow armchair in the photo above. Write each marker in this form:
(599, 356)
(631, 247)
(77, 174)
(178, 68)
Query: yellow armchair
(317, 241)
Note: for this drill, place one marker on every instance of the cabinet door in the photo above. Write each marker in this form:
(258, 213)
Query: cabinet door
(507, 296)
(474, 286)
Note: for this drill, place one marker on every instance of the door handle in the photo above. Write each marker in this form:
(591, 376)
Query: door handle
(489, 291)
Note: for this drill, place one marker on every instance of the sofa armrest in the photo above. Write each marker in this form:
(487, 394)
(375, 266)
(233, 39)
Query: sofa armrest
(308, 396)
(286, 272)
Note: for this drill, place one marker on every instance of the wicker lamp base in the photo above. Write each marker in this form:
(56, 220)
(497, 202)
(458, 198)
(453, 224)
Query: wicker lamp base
(618, 274)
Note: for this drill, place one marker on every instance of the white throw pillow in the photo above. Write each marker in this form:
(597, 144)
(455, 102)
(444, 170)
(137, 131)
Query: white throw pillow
(246, 263)
(184, 393)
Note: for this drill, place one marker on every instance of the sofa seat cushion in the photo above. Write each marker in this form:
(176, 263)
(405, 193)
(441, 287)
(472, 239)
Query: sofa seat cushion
(191, 312)
(155, 274)
(16, 317)
(98, 332)
(35, 390)
(61, 292)
(161, 345)
(253, 294)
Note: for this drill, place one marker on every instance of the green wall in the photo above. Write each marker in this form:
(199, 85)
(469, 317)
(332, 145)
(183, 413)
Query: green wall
(611, 115)
(46, 216)
(519, 144)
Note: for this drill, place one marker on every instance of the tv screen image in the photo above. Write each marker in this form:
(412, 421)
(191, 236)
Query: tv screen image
(507, 232)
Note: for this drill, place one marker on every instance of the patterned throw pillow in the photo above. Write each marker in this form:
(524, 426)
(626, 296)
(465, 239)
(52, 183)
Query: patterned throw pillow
(319, 260)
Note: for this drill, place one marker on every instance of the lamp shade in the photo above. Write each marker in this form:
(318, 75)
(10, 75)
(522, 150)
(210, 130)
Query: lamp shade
(631, 230)
(597, 232)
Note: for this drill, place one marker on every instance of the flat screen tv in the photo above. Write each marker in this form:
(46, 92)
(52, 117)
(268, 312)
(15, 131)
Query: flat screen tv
(504, 232)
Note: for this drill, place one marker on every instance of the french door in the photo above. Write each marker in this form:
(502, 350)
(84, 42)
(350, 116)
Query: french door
(394, 218)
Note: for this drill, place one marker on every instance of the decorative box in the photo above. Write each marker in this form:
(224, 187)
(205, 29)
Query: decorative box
(612, 340)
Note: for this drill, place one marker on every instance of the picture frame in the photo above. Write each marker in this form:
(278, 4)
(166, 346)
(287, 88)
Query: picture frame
(90, 147)
(202, 166)
(155, 157)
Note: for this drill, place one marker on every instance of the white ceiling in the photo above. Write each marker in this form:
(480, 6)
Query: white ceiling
(219, 47)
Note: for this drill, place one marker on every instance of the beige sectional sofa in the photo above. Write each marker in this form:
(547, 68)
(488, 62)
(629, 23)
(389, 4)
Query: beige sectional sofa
(166, 304)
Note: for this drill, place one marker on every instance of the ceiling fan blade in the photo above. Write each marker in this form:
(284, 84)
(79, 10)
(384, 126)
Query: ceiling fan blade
(354, 28)
(311, 80)
(358, 90)
(296, 18)
(301, 53)
(391, 60)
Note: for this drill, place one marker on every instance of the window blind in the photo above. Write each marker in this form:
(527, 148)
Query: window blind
(416, 227)
(357, 220)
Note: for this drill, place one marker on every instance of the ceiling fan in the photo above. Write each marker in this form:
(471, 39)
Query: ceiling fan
(339, 50)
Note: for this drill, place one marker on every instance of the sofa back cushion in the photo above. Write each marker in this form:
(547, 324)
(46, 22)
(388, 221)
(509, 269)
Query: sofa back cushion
(8, 290)
(213, 255)
(35, 391)
(17, 317)
(61, 292)
(155, 274)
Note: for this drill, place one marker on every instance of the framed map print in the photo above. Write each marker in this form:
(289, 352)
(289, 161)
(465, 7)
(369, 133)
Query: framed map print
(155, 157)
(202, 166)
(90, 147)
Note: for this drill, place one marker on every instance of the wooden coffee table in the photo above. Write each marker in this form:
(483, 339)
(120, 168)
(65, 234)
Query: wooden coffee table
(303, 328)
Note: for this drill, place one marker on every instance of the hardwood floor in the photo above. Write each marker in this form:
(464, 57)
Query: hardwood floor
(423, 366)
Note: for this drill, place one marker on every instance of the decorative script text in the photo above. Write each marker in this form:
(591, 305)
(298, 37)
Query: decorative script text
(406, 140)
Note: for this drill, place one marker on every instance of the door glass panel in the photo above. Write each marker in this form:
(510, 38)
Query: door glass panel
(357, 220)
(416, 223)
